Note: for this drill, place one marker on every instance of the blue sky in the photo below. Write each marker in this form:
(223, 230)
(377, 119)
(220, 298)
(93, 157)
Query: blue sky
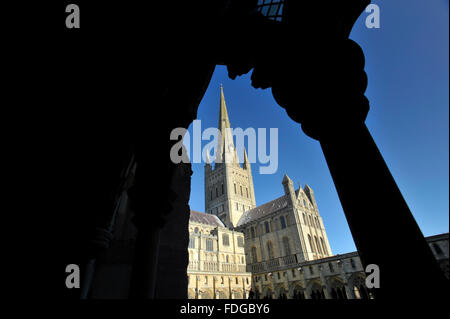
(407, 62)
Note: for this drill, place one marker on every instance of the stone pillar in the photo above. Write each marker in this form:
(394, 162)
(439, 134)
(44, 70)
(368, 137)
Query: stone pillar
(337, 121)
(325, 286)
(174, 238)
(350, 292)
(303, 281)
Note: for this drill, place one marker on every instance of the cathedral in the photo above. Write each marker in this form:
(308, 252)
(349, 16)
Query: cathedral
(277, 250)
(235, 249)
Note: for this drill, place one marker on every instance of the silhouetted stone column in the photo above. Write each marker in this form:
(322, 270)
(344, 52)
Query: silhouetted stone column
(325, 286)
(174, 238)
(383, 228)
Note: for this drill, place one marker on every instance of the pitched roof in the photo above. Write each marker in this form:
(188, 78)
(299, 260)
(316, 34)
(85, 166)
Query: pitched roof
(263, 210)
(204, 218)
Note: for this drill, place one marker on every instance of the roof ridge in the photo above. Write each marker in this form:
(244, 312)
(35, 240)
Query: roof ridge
(205, 218)
(262, 210)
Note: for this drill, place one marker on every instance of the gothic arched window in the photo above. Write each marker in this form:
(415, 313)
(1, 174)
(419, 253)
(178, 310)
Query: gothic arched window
(252, 230)
(191, 242)
(317, 244)
(240, 241)
(325, 250)
(266, 224)
(437, 249)
(254, 256)
(311, 244)
(270, 250)
(225, 240)
(282, 222)
(287, 248)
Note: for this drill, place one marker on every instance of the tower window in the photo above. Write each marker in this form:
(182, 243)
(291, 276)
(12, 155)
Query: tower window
(352, 262)
(287, 248)
(217, 193)
(246, 191)
(311, 244)
(237, 280)
(241, 190)
(254, 256)
(270, 250)
(222, 188)
(317, 244)
(325, 250)
(293, 273)
(237, 206)
(282, 222)
(252, 230)
(235, 191)
(211, 195)
(437, 249)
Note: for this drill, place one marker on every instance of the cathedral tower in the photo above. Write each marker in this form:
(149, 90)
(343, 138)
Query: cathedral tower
(229, 188)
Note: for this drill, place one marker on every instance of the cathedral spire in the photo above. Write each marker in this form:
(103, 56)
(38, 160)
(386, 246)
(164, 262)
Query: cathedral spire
(224, 121)
(226, 150)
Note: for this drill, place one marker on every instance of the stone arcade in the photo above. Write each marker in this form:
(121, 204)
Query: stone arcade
(287, 253)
